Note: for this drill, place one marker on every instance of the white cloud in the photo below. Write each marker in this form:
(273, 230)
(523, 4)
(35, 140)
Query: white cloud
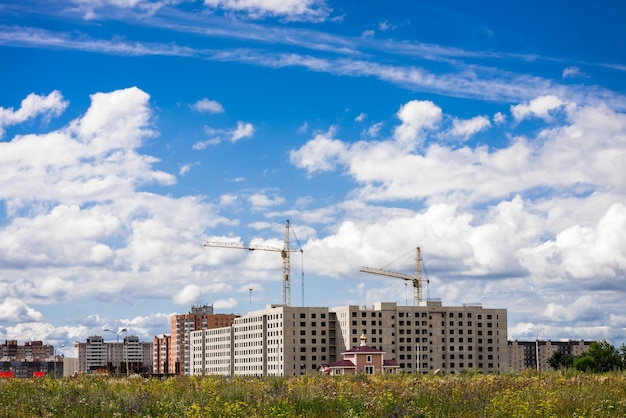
(385, 25)
(244, 130)
(261, 200)
(228, 199)
(416, 116)
(499, 118)
(573, 72)
(207, 106)
(374, 130)
(14, 310)
(92, 159)
(188, 295)
(322, 153)
(361, 117)
(540, 107)
(465, 128)
(229, 303)
(185, 168)
(306, 10)
(32, 106)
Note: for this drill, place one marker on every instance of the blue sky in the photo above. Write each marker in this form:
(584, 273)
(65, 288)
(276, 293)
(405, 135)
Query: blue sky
(493, 136)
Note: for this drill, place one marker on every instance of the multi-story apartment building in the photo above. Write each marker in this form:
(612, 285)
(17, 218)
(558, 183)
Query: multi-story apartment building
(430, 337)
(212, 351)
(29, 351)
(279, 340)
(524, 354)
(126, 357)
(198, 318)
(160, 354)
(284, 341)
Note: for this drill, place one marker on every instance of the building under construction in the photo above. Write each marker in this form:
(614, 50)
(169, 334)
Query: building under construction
(286, 341)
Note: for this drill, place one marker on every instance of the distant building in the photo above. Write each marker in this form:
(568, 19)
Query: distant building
(198, 318)
(126, 357)
(29, 351)
(161, 347)
(524, 354)
(286, 341)
(33, 358)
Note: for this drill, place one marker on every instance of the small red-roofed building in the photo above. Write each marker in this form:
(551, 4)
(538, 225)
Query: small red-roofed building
(362, 359)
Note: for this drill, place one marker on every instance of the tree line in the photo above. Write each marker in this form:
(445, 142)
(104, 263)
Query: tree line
(601, 357)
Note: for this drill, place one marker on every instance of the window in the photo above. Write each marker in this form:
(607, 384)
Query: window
(369, 369)
(369, 359)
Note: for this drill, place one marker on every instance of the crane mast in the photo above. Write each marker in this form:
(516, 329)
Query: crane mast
(284, 252)
(416, 280)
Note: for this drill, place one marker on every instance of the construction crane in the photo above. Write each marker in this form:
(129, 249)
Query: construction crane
(284, 252)
(417, 279)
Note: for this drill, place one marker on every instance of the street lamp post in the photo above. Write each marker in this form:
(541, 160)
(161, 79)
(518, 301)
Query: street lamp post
(537, 348)
(126, 345)
(117, 364)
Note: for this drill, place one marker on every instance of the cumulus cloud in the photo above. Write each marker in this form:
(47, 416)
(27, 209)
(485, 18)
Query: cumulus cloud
(499, 118)
(415, 117)
(78, 224)
(32, 106)
(188, 295)
(320, 154)
(541, 107)
(14, 310)
(207, 106)
(264, 200)
(244, 130)
(361, 117)
(217, 136)
(466, 128)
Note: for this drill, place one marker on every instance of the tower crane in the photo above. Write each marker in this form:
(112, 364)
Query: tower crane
(417, 279)
(284, 252)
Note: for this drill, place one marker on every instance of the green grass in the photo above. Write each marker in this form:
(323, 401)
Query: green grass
(505, 395)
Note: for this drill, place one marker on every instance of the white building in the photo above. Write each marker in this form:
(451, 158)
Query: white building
(284, 340)
(425, 338)
(126, 357)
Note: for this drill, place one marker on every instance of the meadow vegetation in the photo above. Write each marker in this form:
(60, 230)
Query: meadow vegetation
(555, 394)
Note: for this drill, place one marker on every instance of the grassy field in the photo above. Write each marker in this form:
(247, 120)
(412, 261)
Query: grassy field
(505, 395)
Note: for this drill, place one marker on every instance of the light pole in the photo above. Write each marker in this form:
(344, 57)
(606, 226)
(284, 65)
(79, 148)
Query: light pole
(537, 348)
(126, 345)
(117, 367)
(56, 358)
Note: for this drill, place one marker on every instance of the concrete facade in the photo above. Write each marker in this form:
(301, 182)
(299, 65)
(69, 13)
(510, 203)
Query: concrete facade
(126, 357)
(199, 318)
(423, 339)
(284, 340)
(523, 354)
